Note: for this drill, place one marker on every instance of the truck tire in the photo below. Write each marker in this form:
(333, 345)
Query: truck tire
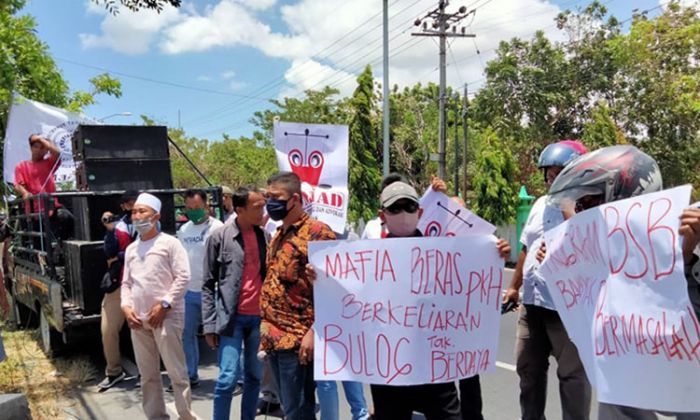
(51, 340)
(24, 317)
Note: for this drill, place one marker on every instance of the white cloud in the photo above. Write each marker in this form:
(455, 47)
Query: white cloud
(309, 74)
(309, 26)
(684, 3)
(229, 24)
(204, 78)
(129, 32)
(236, 85)
(258, 4)
(230, 74)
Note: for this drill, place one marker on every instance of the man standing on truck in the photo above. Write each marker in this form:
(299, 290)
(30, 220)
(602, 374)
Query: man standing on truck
(35, 176)
(156, 273)
(120, 234)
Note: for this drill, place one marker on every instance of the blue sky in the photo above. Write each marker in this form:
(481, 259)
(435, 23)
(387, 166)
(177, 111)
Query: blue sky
(215, 62)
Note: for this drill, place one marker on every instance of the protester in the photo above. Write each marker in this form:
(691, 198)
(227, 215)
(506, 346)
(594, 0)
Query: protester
(35, 176)
(374, 229)
(616, 173)
(233, 278)
(541, 332)
(193, 235)
(287, 296)
(227, 201)
(400, 213)
(156, 273)
(120, 234)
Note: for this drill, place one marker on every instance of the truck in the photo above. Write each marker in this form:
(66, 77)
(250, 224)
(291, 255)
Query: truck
(54, 281)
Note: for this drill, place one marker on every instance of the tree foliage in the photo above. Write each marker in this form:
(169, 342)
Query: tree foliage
(365, 164)
(26, 67)
(495, 192)
(601, 85)
(135, 5)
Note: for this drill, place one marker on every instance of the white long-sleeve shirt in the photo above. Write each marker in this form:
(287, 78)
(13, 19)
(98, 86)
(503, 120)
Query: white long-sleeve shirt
(155, 270)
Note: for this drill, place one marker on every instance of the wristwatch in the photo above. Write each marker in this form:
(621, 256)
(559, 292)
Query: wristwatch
(165, 304)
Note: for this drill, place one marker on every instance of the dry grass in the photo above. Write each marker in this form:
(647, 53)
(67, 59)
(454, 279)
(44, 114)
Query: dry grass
(48, 384)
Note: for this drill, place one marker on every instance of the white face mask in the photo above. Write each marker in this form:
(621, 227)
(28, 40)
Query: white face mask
(143, 226)
(402, 224)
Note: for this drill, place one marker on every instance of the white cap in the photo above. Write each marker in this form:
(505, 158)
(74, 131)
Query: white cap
(149, 200)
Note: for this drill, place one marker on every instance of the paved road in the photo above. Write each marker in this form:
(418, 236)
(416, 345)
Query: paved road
(499, 389)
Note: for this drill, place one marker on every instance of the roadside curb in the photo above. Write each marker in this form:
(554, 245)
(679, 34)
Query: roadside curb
(14, 406)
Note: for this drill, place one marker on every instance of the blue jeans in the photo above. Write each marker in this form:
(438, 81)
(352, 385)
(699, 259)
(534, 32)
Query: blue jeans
(193, 318)
(296, 385)
(239, 378)
(246, 333)
(328, 398)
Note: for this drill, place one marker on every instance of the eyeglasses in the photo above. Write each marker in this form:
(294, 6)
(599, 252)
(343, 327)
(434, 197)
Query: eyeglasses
(406, 206)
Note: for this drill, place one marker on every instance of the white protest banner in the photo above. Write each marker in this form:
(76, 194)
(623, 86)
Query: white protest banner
(615, 274)
(318, 154)
(57, 125)
(443, 216)
(406, 311)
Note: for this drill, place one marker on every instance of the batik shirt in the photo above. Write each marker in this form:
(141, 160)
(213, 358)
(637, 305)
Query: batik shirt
(287, 298)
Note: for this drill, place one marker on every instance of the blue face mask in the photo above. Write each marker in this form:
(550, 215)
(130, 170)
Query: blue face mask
(277, 209)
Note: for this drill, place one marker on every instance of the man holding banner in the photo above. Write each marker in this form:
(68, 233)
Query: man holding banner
(286, 299)
(540, 331)
(615, 276)
(400, 383)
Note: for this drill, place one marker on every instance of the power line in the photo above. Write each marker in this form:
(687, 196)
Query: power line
(238, 105)
(161, 82)
(281, 80)
(243, 121)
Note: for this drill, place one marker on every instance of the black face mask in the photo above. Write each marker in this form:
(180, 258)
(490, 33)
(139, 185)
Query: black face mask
(277, 209)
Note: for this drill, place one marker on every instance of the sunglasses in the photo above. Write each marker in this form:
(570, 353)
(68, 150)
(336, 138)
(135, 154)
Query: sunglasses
(406, 206)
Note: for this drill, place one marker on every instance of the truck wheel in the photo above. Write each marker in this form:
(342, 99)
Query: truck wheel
(51, 340)
(24, 317)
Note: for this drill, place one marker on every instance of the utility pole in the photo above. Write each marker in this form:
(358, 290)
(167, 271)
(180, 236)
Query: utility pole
(456, 122)
(385, 86)
(465, 110)
(442, 22)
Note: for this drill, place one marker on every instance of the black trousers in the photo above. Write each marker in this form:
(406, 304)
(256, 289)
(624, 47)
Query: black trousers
(470, 398)
(435, 401)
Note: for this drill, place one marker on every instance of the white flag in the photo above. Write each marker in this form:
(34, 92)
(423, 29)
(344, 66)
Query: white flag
(29, 117)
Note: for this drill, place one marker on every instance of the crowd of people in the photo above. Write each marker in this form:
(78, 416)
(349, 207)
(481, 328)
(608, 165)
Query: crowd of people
(250, 289)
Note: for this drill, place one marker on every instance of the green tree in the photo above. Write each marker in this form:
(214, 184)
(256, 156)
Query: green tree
(658, 99)
(364, 165)
(135, 5)
(527, 98)
(26, 67)
(601, 130)
(242, 161)
(317, 107)
(494, 181)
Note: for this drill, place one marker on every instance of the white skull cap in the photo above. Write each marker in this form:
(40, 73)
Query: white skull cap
(149, 200)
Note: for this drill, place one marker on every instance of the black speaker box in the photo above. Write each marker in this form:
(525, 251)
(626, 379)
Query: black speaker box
(85, 265)
(123, 174)
(120, 142)
(87, 212)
